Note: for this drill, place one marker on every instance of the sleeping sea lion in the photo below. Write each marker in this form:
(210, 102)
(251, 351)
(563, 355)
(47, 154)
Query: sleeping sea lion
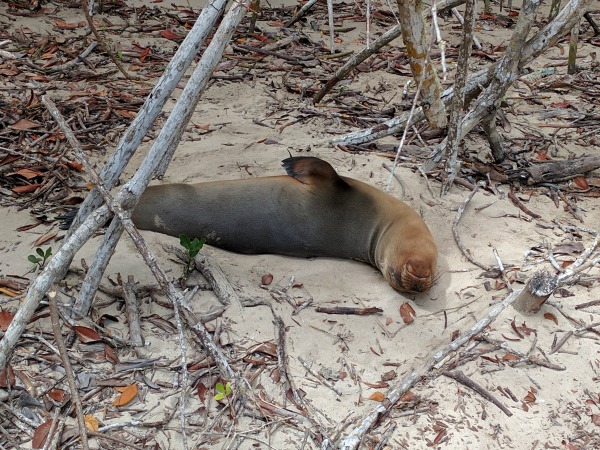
(311, 212)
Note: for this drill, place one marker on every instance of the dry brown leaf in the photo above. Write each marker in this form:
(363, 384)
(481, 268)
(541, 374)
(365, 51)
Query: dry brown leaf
(26, 188)
(58, 395)
(552, 317)
(127, 395)
(75, 165)
(66, 26)
(266, 279)
(24, 124)
(87, 335)
(202, 390)
(409, 396)
(7, 377)
(5, 318)
(407, 313)
(596, 419)
(110, 354)
(45, 238)
(439, 436)
(529, 398)
(8, 293)
(29, 173)
(581, 183)
(41, 434)
(377, 396)
(91, 423)
(510, 357)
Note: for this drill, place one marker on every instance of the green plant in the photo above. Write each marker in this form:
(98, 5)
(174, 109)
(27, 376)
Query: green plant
(223, 391)
(44, 256)
(192, 248)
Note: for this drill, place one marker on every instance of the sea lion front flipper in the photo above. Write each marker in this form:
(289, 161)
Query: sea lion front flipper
(312, 171)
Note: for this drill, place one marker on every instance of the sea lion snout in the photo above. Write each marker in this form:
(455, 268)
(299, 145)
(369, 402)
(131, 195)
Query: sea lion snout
(415, 275)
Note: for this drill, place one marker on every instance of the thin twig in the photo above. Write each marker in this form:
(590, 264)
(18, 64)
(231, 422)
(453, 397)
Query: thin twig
(465, 380)
(457, 238)
(60, 343)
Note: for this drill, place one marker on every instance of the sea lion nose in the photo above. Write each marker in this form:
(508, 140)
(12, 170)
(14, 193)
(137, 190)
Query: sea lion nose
(418, 268)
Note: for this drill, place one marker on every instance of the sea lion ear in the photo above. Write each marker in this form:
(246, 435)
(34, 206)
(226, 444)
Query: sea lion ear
(312, 171)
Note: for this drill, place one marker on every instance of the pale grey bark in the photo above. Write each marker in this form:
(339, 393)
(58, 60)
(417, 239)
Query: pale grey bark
(373, 48)
(127, 197)
(163, 148)
(545, 38)
(458, 102)
(152, 106)
(416, 38)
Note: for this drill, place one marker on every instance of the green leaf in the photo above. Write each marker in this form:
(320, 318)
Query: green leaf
(48, 253)
(220, 388)
(33, 259)
(184, 240)
(40, 251)
(219, 397)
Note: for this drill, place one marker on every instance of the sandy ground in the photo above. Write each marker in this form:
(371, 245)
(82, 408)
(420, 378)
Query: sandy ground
(559, 410)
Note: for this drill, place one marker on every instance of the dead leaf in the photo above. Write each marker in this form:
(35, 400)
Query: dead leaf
(58, 395)
(510, 357)
(529, 398)
(266, 279)
(127, 395)
(24, 124)
(388, 321)
(5, 317)
(45, 238)
(110, 354)
(75, 165)
(29, 173)
(581, 183)
(596, 419)
(29, 227)
(66, 26)
(409, 396)
(41, 434)
(551, 317)
(8, 293)
(439, 437)
(26, 188)
(7, 377)
(407, 313)
(91, 423)
(202, 390)
(125, 113)
(87, 335)
(377, 396)
(168, 34)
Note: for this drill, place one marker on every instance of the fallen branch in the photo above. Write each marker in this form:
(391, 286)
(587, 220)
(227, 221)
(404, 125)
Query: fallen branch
(464, 251)
(555, 171)
(62, 349)
(545, 38)
(353, 439)
(465, 380)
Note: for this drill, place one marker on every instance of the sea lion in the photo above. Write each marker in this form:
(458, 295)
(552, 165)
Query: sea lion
(311, 212)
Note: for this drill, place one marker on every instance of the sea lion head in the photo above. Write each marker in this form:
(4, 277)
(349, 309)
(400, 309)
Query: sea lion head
(411, 269)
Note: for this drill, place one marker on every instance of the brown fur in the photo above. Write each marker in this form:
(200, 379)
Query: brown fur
(311, 212)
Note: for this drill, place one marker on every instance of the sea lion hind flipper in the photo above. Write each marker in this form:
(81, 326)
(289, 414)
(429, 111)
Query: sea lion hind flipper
(312, 171)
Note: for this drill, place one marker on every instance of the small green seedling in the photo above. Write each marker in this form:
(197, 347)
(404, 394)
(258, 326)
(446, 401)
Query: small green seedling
(192, 248)
(223, 391)
(44, 256)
